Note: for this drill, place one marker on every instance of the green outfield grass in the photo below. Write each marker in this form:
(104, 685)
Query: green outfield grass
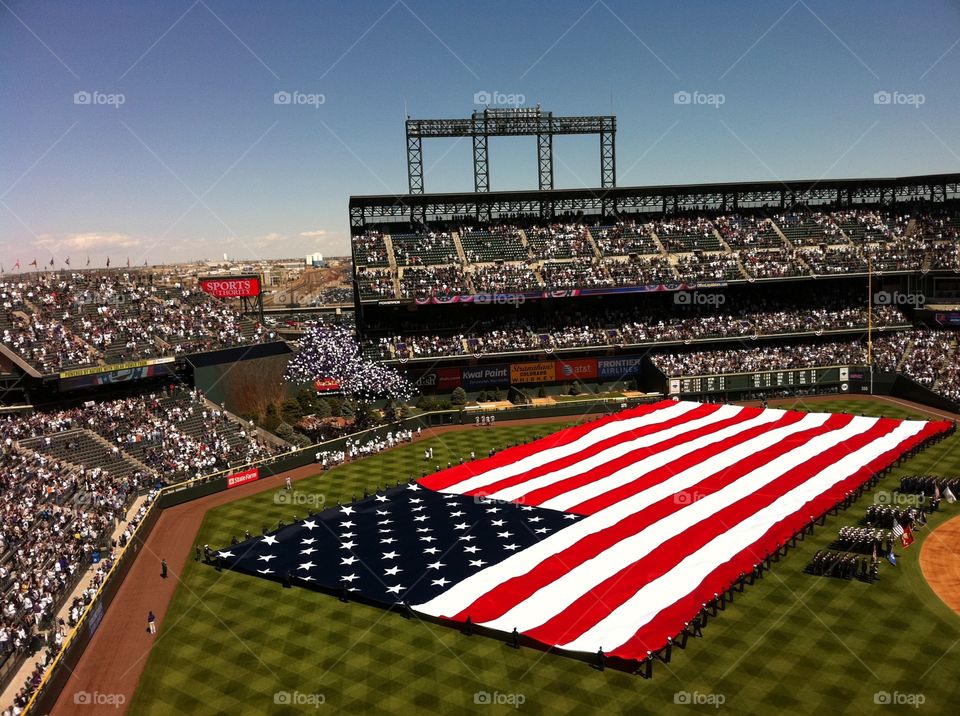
(792, 642)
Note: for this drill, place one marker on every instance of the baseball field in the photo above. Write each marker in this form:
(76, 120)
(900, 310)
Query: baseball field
(229, 643)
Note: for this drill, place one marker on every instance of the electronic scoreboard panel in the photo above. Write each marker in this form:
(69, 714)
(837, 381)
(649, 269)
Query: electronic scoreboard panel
(759, 380)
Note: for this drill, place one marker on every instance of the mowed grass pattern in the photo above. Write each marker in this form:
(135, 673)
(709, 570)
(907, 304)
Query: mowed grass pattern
(791, 643)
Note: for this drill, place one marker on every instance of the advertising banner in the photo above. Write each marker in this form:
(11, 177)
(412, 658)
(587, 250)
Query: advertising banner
(521, 373)
(242, 478)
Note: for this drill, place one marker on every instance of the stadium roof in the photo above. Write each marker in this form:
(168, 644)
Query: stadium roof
(789, 185)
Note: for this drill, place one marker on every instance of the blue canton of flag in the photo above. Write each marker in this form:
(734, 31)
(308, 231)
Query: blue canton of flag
(404, 545)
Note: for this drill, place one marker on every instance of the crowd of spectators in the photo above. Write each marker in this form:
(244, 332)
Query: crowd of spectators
(560, 241)
(930, 357)
(420, 249)
(619, 327)
(433, 281)
(370, 249)
(687, 249)
(504, 278)
(65, 320)
(577, 273)
(61, 501)
(641, 271)
(684, 234)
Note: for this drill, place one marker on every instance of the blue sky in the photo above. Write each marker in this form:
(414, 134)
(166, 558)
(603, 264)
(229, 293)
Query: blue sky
(199, 160)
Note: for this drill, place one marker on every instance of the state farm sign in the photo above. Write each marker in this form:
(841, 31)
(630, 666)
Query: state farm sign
(242, 478)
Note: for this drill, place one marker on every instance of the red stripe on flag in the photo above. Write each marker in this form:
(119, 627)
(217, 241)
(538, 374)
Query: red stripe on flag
(595, 606)
(444, 479)
(505, 596)
(648, 479)
(578, 457)
(669, 622)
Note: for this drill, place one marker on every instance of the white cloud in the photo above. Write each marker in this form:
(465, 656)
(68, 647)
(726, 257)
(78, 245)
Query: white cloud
(89, 241)
(316, 234)
(271, 238)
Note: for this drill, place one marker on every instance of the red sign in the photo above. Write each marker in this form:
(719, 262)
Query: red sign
(439, 378)
(578, 369)
(231, 286)
(325, 385)
(242, 478)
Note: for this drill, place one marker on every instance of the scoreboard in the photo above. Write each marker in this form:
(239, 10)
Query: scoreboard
(759, 380)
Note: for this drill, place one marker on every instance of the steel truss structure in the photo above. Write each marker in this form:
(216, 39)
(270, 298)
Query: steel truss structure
(511, 123)
(610, 202)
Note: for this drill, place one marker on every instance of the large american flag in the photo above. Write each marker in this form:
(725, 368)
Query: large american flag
(611, 534)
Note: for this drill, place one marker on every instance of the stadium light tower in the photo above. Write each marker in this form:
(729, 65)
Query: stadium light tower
(511, 123)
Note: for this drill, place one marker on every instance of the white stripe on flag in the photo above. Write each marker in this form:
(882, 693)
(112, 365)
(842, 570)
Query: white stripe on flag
(463, 594)
(558, 595)
(619, 626)
(531, 462)
(591, 463)
(665, 457)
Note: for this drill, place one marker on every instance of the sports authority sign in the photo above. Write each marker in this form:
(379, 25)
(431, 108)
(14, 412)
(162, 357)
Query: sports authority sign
(231, 286)
(242, 478)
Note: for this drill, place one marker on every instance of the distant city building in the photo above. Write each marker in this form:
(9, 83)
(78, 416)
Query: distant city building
(315, 260)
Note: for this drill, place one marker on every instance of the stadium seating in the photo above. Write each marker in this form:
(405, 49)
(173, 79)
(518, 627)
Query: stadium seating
(424, 249)
(748, 232)
(501, 243)
(810, 229)
(370, 250)
(641, 271)
(424, 282)
(683, 234)
(624, 239)
(59, 321)
(694, 268)
(560, 241)
(576, 273)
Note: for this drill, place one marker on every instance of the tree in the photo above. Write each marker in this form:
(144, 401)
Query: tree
(292, 411)
(284, 432)
(322, 409)
(308, 400)
(390, 411)
(459, 396)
